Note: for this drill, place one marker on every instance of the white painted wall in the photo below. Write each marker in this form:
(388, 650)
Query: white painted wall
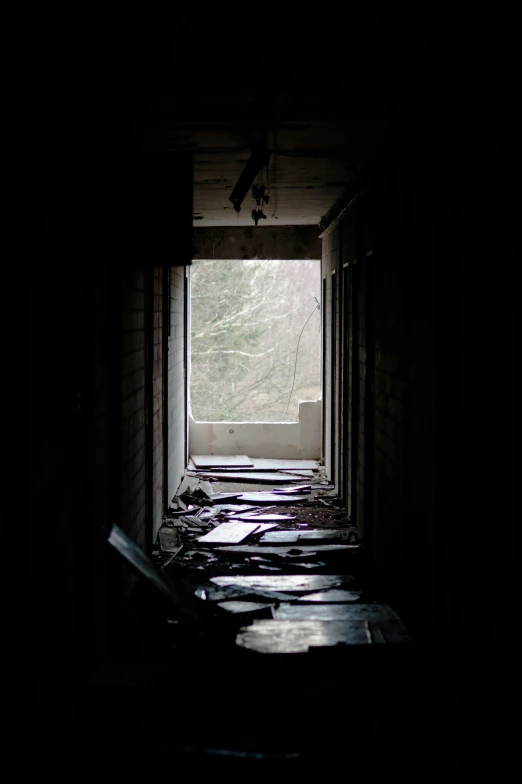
(300, 439)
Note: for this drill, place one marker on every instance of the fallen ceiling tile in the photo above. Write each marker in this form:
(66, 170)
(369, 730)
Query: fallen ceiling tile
(283, 551)
(216, 461)
(257, 477)
(272, 636)
(243, 607)
(299, 489)
(271, 498)
(289, 537)
(297, 472)
(180, 512)
(229, 533)
(225, 496)
(215, 509)
(275, 464)
(198, 521)
(333, 595)
(275, 517)
(213, 593)
(265, 527)
(290, 583)
(187, 486)
(334, 612)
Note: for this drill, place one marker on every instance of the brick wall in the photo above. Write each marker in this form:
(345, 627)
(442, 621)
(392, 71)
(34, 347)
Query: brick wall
(133, 404)
(157, 411)
(136, 389)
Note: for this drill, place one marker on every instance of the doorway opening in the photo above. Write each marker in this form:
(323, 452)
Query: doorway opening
(255, 347)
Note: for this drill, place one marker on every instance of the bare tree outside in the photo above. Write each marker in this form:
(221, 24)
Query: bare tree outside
(247, 317)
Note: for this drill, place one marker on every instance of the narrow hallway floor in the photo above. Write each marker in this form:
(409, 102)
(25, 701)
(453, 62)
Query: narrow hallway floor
(258, 636)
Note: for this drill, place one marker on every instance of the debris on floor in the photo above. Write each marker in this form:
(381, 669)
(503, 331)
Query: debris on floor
(289, 583)
(334, 612)
(271, 636)
(298, 489)
(229, 533)
(332, 596)
(278, 518)
(271, 498)
(286, 551)
(260, 477)
(169, 540)
(217, 461)
(251, 463)
(289, 537)
(243, 607)
(294, 575)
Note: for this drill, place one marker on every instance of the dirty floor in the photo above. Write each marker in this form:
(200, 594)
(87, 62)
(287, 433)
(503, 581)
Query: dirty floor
(255, 636)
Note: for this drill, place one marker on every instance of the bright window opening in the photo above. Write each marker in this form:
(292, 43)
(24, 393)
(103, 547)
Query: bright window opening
(255, 339)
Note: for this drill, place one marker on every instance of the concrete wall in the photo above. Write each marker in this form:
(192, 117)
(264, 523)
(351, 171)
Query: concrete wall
(380, 378)
(177, 372)
(261, 439)
(403, 249)
(257, 242)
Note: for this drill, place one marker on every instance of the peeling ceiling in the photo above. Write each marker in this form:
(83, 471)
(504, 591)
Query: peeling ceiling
(320, 121)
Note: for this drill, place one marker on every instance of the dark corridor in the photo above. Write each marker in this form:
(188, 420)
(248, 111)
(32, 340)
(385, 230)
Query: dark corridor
(396, 171)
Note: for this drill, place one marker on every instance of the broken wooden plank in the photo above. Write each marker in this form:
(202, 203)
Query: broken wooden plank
(257, 477)
(309, 469)
(230, 497)
(216, 461)
(334, 612)
(332, 596)
(243, 607)
(174, 555)
(284, 551)
(187, 486)
(180, 512)
(283, 464)
(273, 517)
(229, 533)
(298, 489)
(173, 589)
(290, 537)
(213, 593)
(302, 474)
(264, 527)
(271, 498)
(205, 489)
(289, 583)
(273, 636)
(239, 510)
(215, 509)
(198, 521)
